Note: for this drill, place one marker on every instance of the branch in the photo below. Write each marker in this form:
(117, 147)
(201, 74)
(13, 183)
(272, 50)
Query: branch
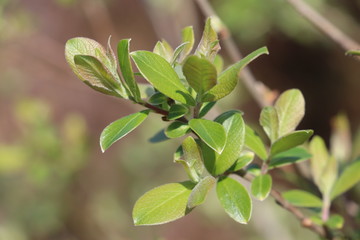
(324, 25)
(305, 222)
(261, 93)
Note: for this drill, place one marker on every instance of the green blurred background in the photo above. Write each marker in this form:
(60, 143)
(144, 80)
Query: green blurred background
(55, 184)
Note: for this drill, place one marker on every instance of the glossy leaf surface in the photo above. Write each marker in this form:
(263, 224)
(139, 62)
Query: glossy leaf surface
(254, 143)
(290, 140)
(261, 186)
(177, 129)
(177, 111)
(200, 191)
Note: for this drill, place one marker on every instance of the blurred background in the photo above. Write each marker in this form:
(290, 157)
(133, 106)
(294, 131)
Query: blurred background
(55, 184)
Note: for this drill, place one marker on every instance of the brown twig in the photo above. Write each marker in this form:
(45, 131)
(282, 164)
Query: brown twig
(324, 25)
(261, 93)
(305, 222)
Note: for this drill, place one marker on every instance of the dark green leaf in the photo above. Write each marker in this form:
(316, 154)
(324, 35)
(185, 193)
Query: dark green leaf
(254, 143)
(163, 204)
(348, 178)
(261, 186)
(200, 74)
(301, 198)
(290, 141)
(126, 69)
(212, 133)
(228, 79)
(158, 98)
(200, 191)
(162, 76)
(290, 108)
(121, 128)
(177, 111)
(205, 108)
(235, 199)
(270, 122)
(291, 156)
(177, 129)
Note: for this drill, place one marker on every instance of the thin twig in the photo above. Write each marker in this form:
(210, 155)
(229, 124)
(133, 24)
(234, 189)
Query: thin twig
(261, 93)
(305, 222)
(324, 25)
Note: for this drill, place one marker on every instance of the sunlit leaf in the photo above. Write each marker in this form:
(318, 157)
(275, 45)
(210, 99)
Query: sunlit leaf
(246, 157)
(254, 143)
(177, 129)
(187, 35)
(261, 186)
(164, 49)
(235, 199)
(200, 191)
(163, 204)
(212, 133)
(290, 156)
(192, 154)
(228, 79)
(340, 141)
(205, 108)
(270, 122)
(162, 76)
(121, 128)
(209, 43)
(290, 108)
(177, 53)
(219, 63)
(348, 178)
(290, 140)
(301, 198)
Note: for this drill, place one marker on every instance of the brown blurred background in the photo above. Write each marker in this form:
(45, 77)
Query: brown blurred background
(54, 182)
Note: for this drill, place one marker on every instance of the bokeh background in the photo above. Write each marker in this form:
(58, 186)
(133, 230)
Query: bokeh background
(55, 184)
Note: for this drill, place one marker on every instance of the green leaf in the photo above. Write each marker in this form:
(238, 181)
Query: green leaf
(187, 35)
(192, 154)
(212, 133)
(163, 49)
(121, 128)
(228, 79)
(162, 76)
(291, 156)
(335, 221)
(340, 140)
(177, 53)
(219, 63)
(290, 141)
(254, 143)
(329, 176)
(97, 76)
(146, 90)
(353, 53)
(270, 122)
(235, 130)
(235, 199)
(261, 186)
(177, 129)
(290, 108)
(163, 204)
(158, 98)
(205, 108)
(209, 43)
(200, 74)
(301, 198)
(348, 178)
(177, 111)
(246, 157)
(200, 191)
(126, 69)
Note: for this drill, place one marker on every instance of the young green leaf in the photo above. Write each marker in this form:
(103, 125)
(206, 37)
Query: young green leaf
(235, 130)
(340, 140)
(200, 74)
(335, 222)
(205, 108)
(200, 191)
(177, 53)
(235, 199)
(301, 198)
(177, 129)
(353, 53)
(261, 186)
(121, 128)
(126, 69)
(163, 204)
(209, 43)
(348, 178)
(228, 79)
(187, 35)
(163, 49)
(192, 154)
(291, 156)
(328, 177)
(270, 122)
(254, 143)
(290, 141)
(219, 63)
(290, 108)
(160, 74)
(212, 133)
(246, 157)
(177, 111)
(97, 76)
